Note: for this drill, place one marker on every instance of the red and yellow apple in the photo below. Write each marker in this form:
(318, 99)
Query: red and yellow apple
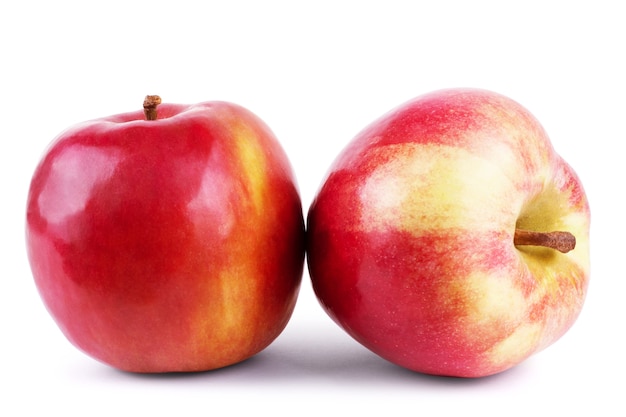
(167, 242)
(450, 238)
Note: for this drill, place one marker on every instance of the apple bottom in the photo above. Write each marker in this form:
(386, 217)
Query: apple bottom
(195, 319)
(445, 305)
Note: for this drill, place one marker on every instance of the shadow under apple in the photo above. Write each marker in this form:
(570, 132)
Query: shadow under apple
(321, 354)
(324, 355)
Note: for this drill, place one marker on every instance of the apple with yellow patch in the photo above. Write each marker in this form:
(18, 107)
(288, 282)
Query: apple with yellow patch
(450, 238)
(169, 239)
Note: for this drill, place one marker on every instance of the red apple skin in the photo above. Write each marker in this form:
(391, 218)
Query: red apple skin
(171, 245)
(410, 237)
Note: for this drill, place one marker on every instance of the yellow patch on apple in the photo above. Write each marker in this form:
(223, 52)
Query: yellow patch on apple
(496, 318)
(434, 187)
(253, 163)
(516, 347)
(491, 298)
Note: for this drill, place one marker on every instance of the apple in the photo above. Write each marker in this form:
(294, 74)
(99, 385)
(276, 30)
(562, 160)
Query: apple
(449, 238)
(170, 241)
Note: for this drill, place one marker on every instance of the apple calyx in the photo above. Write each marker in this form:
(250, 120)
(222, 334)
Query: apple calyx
(150, 104)
(561, 241)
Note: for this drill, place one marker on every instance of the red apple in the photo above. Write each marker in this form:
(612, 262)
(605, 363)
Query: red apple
(169, 243)
(450, 238)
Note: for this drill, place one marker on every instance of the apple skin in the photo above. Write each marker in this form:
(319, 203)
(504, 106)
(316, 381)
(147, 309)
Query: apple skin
(410, 237)
(172, 245)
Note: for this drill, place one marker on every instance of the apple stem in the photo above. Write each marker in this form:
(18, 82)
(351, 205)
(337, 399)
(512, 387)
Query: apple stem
(150, 104)
(561, 241)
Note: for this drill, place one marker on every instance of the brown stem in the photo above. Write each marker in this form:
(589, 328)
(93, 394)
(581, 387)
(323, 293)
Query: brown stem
(150, 104)
(561, 241)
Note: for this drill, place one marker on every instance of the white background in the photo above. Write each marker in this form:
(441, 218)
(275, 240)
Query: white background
(316, 72)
